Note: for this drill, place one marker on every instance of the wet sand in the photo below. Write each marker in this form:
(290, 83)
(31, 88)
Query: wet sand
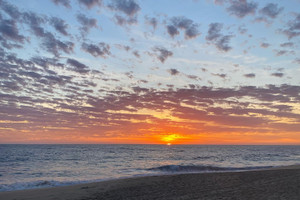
(277, 183)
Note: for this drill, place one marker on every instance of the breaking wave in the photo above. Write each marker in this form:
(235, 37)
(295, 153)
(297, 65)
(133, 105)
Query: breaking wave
(201, 168)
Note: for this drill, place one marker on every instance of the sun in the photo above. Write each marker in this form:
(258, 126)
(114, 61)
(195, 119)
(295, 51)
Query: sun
(171, 138)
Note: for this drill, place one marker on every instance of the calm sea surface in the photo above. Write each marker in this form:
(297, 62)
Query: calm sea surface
(36, 166)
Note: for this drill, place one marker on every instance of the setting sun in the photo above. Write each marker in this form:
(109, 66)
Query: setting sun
(171, 138)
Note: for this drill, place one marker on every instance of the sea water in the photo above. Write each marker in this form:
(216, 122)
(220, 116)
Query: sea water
(37, 166)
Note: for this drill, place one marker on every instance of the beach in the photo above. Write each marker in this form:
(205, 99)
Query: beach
(276, 183)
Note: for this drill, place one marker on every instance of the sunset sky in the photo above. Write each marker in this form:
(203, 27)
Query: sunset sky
(149, 71)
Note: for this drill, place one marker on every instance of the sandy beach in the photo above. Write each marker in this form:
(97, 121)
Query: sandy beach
(277, 183)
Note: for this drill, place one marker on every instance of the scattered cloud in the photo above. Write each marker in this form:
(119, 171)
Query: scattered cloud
(293, 29)
(214, 35)
(65, 3)
(102, 49)
(241, 8)
(278, 74)
(271, 10)
(182, 23)
(162, 53)
(86, 23)
(264, 45)
(90, 3)
(78, 66)
(173, 72)
(250, 75)
(128, 7)
(59, 25)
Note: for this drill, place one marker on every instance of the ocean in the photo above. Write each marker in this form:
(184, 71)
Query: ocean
(39, 166)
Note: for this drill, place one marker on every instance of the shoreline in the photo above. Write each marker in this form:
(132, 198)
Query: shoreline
(272, 183)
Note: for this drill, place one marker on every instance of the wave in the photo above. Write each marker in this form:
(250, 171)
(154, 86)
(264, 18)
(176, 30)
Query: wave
(36, 184)
(201, 168)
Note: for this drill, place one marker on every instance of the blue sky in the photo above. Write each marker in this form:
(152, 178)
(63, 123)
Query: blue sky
(64, 54)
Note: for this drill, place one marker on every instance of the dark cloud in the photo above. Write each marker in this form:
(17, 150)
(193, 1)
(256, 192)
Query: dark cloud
(35, 23)
(90, 3)
(172, 30)
(128, 7)
(87, 23)
(78, 66)
(241, 8)
(250, 75)
(190, 28)
(49, 42)
(53, 45)
(264, 45)
(293, 29)
(11, 10)
(102, 49)
(163, 53)
(65, 3)
(214, 31)
(271, 10)
(9, 30)
(219, 40)
(223, 43)
(59, 25)
(277, 74)
(173, 72)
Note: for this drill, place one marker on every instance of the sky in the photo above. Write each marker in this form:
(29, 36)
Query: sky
(150, 72)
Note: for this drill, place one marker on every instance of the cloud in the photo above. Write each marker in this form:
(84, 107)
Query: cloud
(287, 44)
(277, 74)
(65, 3)
(53, 45)
(90, 3)
(128, 7)
(78, 66)
(163, 53)
(102, 49)
(241, 8)
(122, 21)
(214, 31)
(219, 40)
(136, 54)
(271, 10)
(49, 42)
(11, 10)
(9, 30)
(182, 23)
(293, 29)
(34, 22)
(59, 25)
(173, 72)
(87, 23)
(152, 21)
(194, 77)
(220, 75)
(250, 75)
(172, 30)
(264, 45)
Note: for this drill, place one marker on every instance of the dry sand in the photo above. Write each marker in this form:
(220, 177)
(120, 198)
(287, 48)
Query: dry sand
(280, 183)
